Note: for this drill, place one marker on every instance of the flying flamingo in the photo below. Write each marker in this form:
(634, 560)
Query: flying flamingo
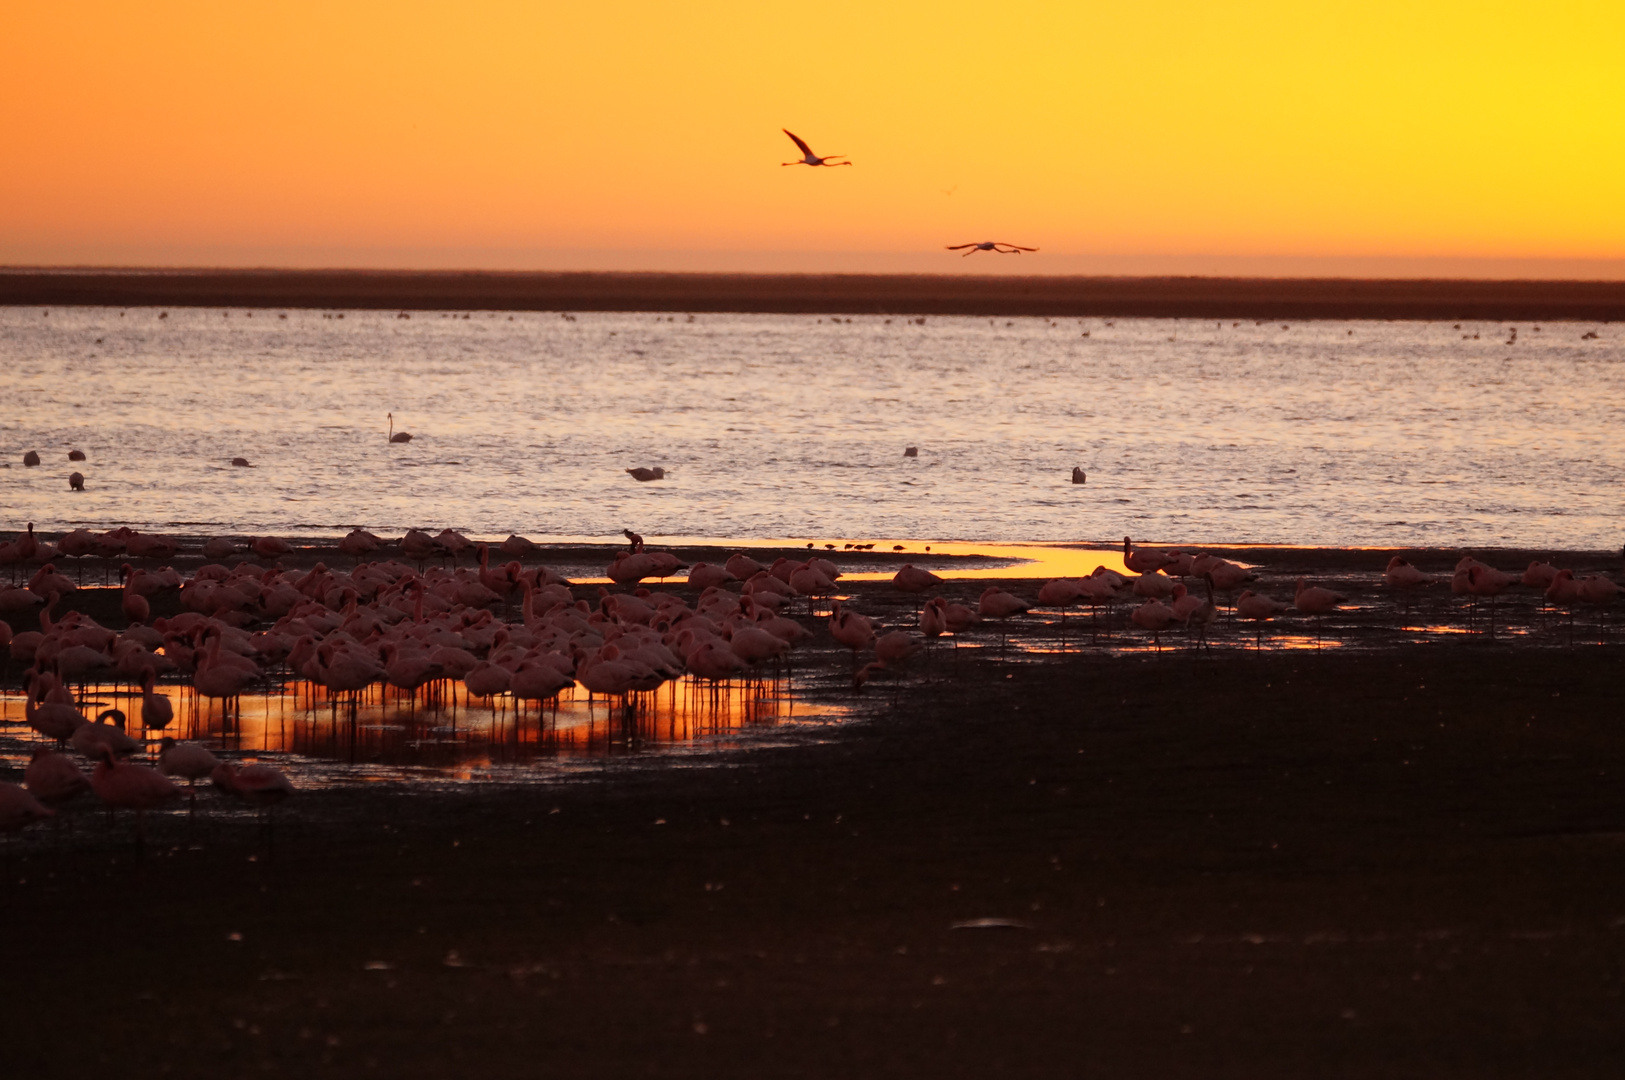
(808, 157)
(1001, 248)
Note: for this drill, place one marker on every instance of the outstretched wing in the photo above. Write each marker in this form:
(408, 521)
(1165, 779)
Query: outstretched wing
(805, 149)
(1018, 247)
(959, 247)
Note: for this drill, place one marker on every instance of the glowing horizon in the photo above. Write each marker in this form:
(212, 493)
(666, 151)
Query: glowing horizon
(1187, 139)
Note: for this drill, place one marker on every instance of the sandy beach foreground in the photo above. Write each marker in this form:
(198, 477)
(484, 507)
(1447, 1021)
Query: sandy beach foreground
(1397, 859)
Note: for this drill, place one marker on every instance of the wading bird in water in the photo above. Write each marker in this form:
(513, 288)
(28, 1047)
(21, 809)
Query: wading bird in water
(810, 158)
(998, 246)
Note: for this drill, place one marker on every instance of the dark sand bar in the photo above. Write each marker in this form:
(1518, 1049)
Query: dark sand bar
(873, 294)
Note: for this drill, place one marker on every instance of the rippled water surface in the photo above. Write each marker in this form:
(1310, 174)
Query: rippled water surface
(782, 426)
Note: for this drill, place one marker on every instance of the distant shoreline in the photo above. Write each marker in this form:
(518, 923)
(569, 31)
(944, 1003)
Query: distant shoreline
(809, 294)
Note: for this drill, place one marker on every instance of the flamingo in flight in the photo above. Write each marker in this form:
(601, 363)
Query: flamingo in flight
(808, 157)
(998, 246)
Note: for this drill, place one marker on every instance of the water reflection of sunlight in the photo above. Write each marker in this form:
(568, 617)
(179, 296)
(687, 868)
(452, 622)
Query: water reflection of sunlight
(387, 734)
(1036, 561)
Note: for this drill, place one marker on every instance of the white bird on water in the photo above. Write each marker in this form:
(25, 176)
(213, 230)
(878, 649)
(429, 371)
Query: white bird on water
(808, 157)
(998, 246)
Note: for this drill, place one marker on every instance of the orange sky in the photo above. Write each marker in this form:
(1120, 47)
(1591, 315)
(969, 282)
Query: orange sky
(1244, 137)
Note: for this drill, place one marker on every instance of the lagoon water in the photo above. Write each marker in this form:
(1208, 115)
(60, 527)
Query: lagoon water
(1327, 433)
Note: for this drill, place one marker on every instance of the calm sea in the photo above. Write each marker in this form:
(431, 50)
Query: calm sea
(795, 426)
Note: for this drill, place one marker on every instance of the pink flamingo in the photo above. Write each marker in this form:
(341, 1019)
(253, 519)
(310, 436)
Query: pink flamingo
(53, 777)
(851, 629)
(19, 809)
(934, 617)
(1259, 608)
(126, 785)
(1155, 616)
(911, 579)
(1316, 601)
(1141, 561)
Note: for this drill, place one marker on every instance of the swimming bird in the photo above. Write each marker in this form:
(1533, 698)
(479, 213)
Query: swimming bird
(31, 458)
(76, 455)
(998, 246)
(1079, 476)
(644, 475)
(76, 481)
(243, 463)
(397, 436)
(808, 157)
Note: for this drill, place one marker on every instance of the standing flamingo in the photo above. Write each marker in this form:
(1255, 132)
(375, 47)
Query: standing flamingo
(1316, 601)
(19, 809)
(130, 786)
(1260, 609)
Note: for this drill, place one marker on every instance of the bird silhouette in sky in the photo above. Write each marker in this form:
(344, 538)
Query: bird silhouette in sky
(808, 157)
(991, 245)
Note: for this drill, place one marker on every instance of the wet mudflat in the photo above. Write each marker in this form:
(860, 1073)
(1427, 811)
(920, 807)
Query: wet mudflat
(1403, 861)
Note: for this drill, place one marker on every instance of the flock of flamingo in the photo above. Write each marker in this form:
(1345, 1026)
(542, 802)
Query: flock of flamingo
(399, 622)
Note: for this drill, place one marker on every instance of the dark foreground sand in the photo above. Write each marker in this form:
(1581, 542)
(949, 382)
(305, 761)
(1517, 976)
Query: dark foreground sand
(888, 294)
(1382, 862)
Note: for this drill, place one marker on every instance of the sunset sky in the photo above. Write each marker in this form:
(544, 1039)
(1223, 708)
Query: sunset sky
(1186, 137)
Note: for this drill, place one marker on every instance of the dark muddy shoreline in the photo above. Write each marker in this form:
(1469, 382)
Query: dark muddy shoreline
(1398, 859)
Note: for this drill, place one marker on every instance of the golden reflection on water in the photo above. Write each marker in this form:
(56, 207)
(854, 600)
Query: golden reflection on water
(389, 734)
(1007, 561)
